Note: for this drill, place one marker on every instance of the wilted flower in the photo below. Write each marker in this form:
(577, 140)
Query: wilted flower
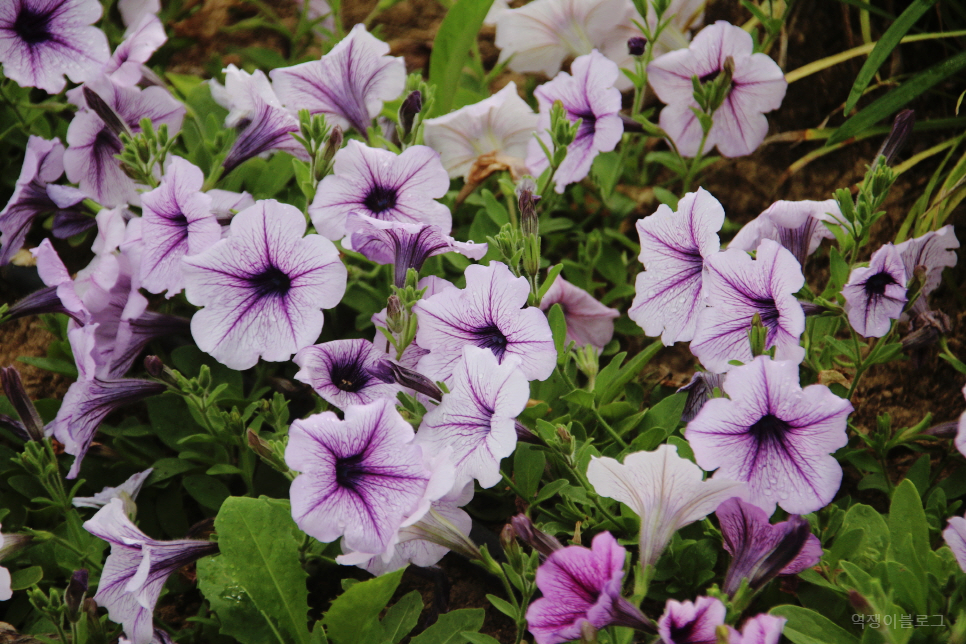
(876, 294)
(588, 321)
(128, 489)
(774, 436)
(799, 226)
(934, 251)
(339, 371)
(691, 623)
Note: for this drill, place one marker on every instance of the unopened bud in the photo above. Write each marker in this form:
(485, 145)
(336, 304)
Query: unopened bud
(527, 201)
(636, 45)
(901, 129)
(859, 603)
(565, 438)
(106, 113)
(588, 634)
(389, 372)
(74, 595)
(154, 366)
(17, 395)
(408, 111)
(259, 445)
(537, 539)
(508, 537)
(395, 314)
(332, 144)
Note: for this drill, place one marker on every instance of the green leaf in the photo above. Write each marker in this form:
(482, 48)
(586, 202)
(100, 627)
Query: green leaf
(503, 606)
(206, 490)
(891, 102)
(627, 373)
(558, 326)
(354, 615)
(889, 40)
(581, 398)
(23, 579)
(449, 628)
(876, 541)
(402, 617)
(53, 365)
(846, 544)
(667, 413)
(805, 626)
(528, 464)
(479, 638)
(839, 268)
(258, 586)
(909, 530)
(548, 490)
(451, 48)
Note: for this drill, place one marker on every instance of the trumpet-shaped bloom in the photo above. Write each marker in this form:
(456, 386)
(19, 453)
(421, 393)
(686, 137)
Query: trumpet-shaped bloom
(476, 419)
(137, 568)
(737, 287)
(581, 585)
(665, 490)
(263, 287)
(934, 251)
(177, 221)
(955, 537)
(799, 226)
(339, 372)
(774, 436)
(128, 489)
(489, 313)
(876, 294)
(362, 478)
(404, 245)
(691, 623)
(761, 551)
(760, 629)
(348, 85)
(589, 95)
(141, 41)
(382, 185)
(499, 127)
(41, 40)
(757, 86)
(674, 246)
(588, 321)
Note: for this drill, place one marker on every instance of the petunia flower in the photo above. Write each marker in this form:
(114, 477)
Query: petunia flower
(955, 537)
(761, 551)
(134, 11)
(699, 389)
(349, 84)
(582, 585)
(588, 321)
(262, 287)
(6, 592)
(489, 313)
(362, 478)
(589, 95)
(321, 11)
(339, 371)
(960, 441)
(799, 226)
(177, 221)
(773, 435)
(498, 129)
(70, 219)
(691, 622)
(382, 185)
(876, 294)
(934, 251)
(41, 40)
(137, 568)
(737, 288)
(404, 245)
(671, 292)
(129, 489)
(476, 419)
(140, 42)
(665, 490)
(757, 86)
(760, 629)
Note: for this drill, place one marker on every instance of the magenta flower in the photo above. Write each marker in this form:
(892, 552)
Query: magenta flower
(799, 226)
(263, 287)
(404, 245)
(582, 585)
(476, 419)
(348, 85)
(41, 40)
(588, 95)
(588, 321)
(757, 86)
(691, 623)
(934, 251)
(761, 551)
(876, 294)
(955, 537)
(774, 436)
(177, 221)
(140, 42)
(737, 287)
(489, 313)
(382, 185)
(671, 292)
(137, 568)
(339, 371)
(362, 478)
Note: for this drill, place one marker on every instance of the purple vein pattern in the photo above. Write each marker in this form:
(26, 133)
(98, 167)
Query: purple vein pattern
(339, 372)
(875, 295)
(691, 622)
(588, 321)
(934, 251)
(799, 226)
(140, 43)
(955, 537)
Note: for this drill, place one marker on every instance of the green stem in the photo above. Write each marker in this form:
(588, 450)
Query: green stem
(610, 430)
(694, 162)
(13, 107)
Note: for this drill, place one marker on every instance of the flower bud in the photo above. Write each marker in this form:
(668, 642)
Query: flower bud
(17, 395)
(74, 595)
(901, 129)
(527, 201)
(106, 113)
(332, 144)
(636, 45)
(528, 533)
(154, 366)
(395, 314)
(410, 108)
(588, 634)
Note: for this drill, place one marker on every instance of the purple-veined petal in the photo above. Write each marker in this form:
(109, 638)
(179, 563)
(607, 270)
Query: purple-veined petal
(339, 372)
(876, 294)
(691, 623)
(588, 321)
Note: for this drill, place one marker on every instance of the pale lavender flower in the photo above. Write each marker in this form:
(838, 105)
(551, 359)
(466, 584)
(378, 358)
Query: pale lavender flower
(955, 537)
(691, 623)
(589, 95)
(934, 251)
(665, 490)
(348, 85)
(761, 551)
(476, 419)
(362, 478)
(137, 568)
(799, 226)
(760, 629)
(5, 591)
(737, 288)
(320, 11)
(382, 185)
(140, 42)
(134, 11)
(774, 436)
(404, 245)
(757, 86)
(489, 313)
(71, 219)
(588, 321)
(129, 489)
(339, 371)
(582, 585)
(263, 287)
(225, 204)
(960, 440)
(670, 292)
(499, 127)
(876, 294)
(41, 40)
(177, 222)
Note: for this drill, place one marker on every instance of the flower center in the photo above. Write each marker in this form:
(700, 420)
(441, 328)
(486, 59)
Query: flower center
(876, 285)
(768, 312)
(380, 199)
(685, 633)
(588, 123)
(490, 337)
(271, 282)
(349, 471)
(769, 429)
(32, 26)
(348, 375)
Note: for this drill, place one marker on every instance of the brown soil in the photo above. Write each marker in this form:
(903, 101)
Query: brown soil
(29, 337)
